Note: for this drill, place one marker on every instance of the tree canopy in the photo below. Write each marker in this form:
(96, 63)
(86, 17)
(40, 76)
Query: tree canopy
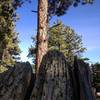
(64, 39)
(8, 37)
(47, 9)
(59, 7)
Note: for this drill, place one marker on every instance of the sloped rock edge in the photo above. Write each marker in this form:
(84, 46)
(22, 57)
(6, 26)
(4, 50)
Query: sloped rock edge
(15, 82)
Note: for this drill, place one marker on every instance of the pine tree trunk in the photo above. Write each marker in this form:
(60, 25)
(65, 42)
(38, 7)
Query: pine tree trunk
(42, 31)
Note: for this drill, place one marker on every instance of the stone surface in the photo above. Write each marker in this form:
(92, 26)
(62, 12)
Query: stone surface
(59, 81)
(56, 80)
(81, 83)
(14, 82)
(53, 82)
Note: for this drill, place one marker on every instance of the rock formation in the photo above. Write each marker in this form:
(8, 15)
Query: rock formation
(14, 82)
(56, 80)
(53, 82)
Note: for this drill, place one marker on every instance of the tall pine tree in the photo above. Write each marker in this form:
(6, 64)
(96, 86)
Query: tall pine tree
(64, 39)
(46, 9)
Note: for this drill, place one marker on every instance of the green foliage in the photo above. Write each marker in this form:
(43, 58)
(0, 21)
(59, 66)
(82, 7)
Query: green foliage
(8, 37)
(2, 68)
(59, 7)
(64, 39)
(84, 59)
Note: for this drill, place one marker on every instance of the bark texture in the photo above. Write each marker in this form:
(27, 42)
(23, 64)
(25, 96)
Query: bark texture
(53, 82)
(14, 82)
(42, 31)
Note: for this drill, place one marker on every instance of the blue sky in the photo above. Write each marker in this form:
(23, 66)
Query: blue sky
(85, 20)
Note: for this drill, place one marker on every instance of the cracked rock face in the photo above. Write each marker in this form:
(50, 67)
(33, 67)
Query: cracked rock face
(56, 80)
(53, 79)
(14, 82)
(59, 81)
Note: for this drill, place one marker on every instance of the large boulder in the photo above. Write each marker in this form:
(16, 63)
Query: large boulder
(15, 82)
(53, 81)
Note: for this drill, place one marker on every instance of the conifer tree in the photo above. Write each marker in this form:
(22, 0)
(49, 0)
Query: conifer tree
(64, 39)
(8, 37)
(47, 9)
